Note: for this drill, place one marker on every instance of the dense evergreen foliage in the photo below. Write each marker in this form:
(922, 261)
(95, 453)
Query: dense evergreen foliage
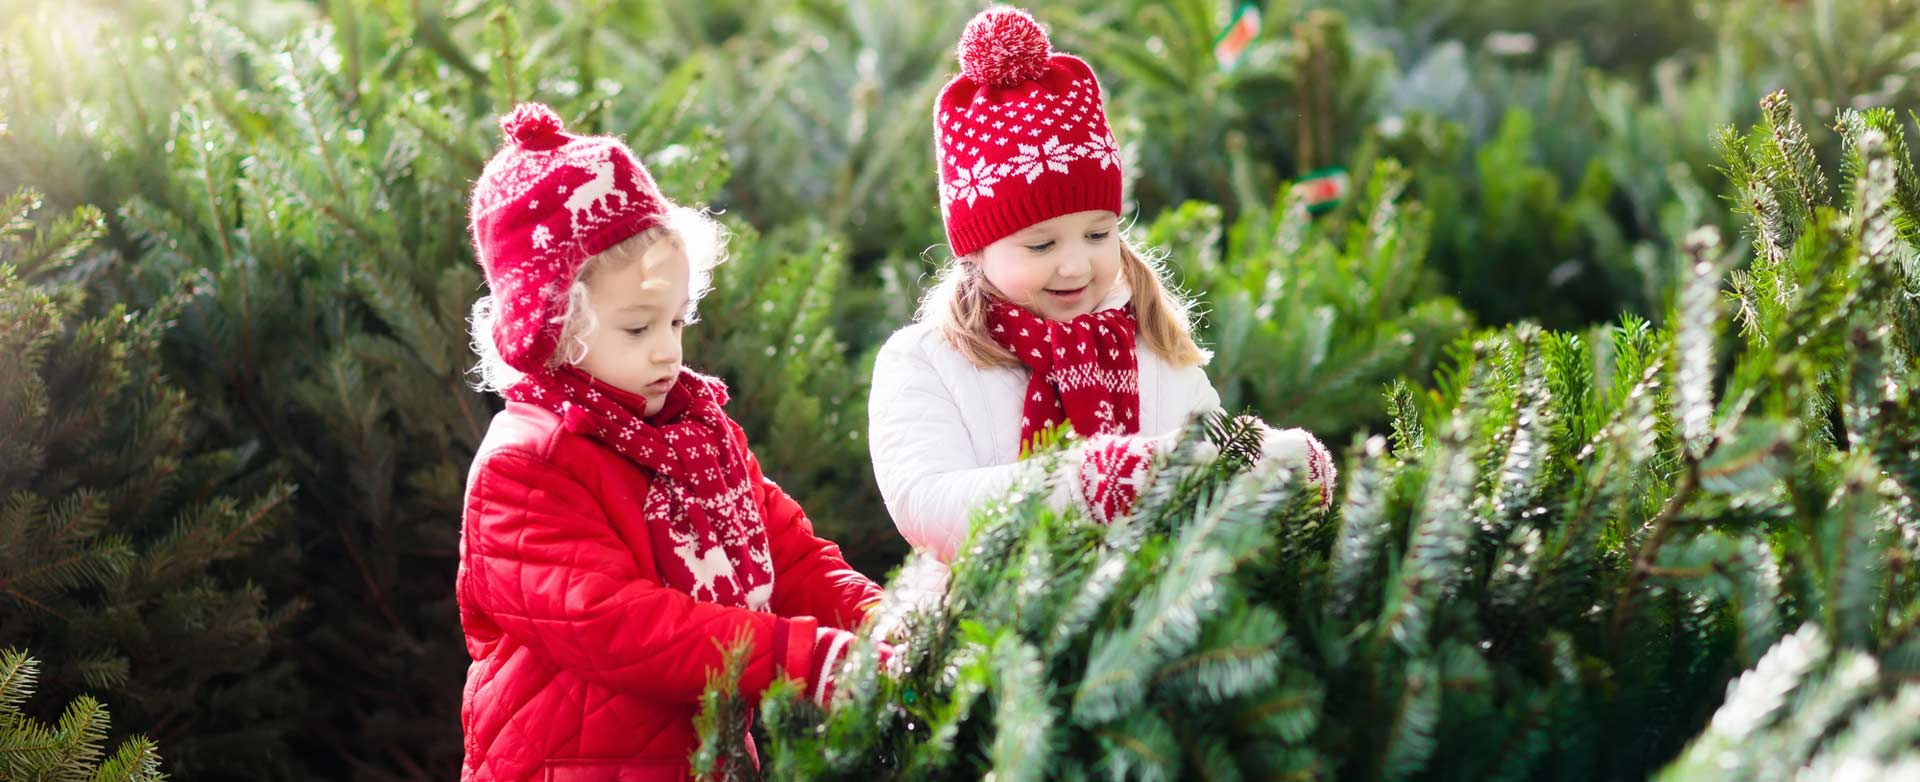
(235, 277)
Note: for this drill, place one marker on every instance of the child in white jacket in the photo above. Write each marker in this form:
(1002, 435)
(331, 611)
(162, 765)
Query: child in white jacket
(1044, 317)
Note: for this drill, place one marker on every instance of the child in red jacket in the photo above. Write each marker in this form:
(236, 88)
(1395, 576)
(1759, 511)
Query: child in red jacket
(618, 533)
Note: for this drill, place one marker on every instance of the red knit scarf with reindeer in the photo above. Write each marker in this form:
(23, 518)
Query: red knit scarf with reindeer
(1086, 371)
(707, 534)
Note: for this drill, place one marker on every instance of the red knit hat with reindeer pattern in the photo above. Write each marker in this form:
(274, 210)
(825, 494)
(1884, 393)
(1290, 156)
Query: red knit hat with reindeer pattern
(1020, 134)
(547, 202)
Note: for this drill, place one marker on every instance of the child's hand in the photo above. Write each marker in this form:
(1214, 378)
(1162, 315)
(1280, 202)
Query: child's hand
(1297, 449)
(1107, 472)
(830, 659)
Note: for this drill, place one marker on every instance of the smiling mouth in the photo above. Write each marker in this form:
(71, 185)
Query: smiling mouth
(1068, 292)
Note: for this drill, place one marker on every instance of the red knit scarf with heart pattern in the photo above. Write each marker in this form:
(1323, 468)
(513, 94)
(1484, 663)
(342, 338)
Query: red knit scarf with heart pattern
(1086, 371)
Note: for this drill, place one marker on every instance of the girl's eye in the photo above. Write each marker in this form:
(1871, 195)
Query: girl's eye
(1041, 247)
(679, 323)
(636, 331)
(1098, 235)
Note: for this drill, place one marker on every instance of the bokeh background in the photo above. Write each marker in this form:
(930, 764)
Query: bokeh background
(233, 492)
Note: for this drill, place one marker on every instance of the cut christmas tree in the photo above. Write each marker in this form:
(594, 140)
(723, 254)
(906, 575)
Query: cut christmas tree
(1567, 548)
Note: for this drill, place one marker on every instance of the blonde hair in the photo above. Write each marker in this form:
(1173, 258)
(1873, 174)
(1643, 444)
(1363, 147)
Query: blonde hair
(959, 304)
(695, 232)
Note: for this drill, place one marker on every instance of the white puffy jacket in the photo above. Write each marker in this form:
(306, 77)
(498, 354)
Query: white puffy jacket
(945, 434)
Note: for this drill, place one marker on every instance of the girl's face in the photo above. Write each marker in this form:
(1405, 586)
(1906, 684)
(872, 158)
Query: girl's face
(1060, 268)
(641, 310)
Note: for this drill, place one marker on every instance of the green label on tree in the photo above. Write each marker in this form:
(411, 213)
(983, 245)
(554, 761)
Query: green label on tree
(1235, 40)
(1323, 189)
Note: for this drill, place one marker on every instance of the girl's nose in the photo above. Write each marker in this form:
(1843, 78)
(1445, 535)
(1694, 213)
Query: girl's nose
(1075, 267)
(668, 354)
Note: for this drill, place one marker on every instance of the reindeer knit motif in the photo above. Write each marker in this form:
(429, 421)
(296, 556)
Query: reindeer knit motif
(590, 194)
(708, 537)
(547, 202)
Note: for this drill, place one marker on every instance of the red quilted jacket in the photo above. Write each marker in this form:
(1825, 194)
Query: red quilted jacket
(586, 667)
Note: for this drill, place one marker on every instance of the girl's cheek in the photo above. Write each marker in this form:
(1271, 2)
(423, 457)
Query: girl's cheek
(1021, 279)
(1034, 278)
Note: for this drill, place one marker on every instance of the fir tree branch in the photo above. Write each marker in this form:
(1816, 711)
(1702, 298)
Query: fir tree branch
(1662, 527)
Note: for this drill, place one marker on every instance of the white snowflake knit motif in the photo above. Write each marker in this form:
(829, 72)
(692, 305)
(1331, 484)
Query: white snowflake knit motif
(1048, 132)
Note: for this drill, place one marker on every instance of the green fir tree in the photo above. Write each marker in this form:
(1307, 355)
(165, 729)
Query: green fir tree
(128, 549)
(70, 749)
(1568, 548)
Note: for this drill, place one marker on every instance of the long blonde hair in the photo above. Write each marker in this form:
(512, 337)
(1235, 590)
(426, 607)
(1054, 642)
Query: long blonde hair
(959, 303)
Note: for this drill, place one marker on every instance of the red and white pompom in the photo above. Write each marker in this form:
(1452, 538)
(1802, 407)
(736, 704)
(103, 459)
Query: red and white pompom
(530, 122)
(1004, 46)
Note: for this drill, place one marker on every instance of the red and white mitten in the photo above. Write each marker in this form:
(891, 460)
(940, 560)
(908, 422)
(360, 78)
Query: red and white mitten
(1107, 471)
(830, 647)
(1297, 449)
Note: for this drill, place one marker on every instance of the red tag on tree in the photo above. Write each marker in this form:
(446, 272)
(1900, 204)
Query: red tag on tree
(1323, 189)
(1238, 36)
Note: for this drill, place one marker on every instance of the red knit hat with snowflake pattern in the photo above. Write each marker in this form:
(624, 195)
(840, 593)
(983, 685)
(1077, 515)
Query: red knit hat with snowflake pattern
(1020, 134)
(547, 202)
